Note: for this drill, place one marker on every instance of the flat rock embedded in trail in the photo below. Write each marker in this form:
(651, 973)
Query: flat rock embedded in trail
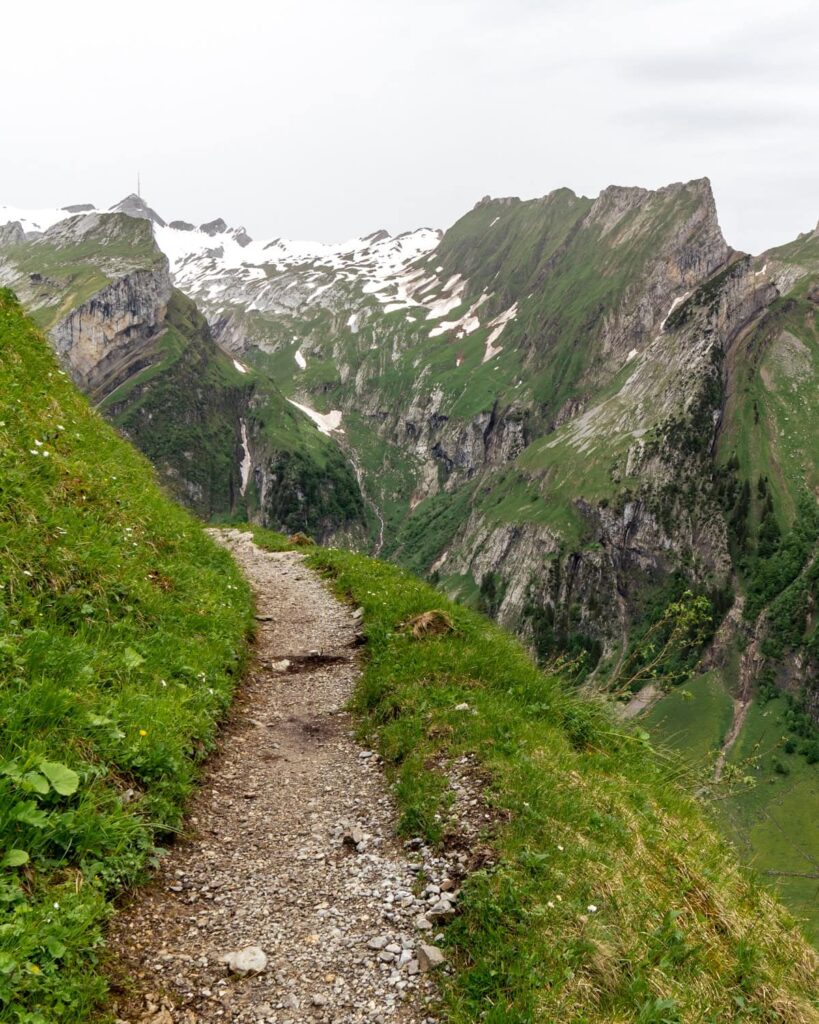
(289, 847)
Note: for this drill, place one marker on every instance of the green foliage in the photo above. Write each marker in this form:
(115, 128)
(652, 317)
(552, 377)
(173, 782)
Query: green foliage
(121, 637)
(490, 596)
(663, 652)
(607, 896)
(310, 496)
(771, 578)
(692, 720)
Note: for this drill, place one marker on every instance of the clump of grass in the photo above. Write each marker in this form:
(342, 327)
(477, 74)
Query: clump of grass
(121, 638)
(612, 898)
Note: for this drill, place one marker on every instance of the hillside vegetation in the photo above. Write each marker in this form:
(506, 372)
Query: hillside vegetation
(121, 638)
(600, 893)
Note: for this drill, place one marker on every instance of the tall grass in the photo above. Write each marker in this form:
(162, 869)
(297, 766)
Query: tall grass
(121, 637)
(610, 898)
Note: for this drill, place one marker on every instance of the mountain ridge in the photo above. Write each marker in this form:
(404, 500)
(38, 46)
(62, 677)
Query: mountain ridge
(584, 416)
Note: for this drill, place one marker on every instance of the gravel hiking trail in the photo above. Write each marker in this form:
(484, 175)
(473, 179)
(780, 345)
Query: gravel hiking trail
(288, 898)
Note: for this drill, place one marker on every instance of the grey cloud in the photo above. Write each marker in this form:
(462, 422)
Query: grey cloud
(718, 68)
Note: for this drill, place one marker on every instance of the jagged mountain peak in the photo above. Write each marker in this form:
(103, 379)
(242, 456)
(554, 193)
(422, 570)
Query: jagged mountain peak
(135, 206)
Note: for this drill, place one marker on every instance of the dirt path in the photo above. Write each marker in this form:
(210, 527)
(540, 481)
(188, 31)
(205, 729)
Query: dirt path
(289, 847)
(641, 701)
(748, 668)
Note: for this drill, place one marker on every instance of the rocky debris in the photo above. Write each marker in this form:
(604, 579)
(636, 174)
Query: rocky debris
(430, 957)
(135, 206)
(181, 225)
(250, 960)
(301, 540)
(264, 865)
(214, 227)
(11, 233)
(354, 837)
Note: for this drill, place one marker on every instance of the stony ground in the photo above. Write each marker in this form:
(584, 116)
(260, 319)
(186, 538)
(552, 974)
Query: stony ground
(289, 899)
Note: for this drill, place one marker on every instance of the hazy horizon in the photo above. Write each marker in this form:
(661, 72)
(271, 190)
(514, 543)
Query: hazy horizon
(328, 122)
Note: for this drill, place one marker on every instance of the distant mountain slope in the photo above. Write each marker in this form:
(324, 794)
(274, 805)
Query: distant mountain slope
(223, 437)
(536, 401)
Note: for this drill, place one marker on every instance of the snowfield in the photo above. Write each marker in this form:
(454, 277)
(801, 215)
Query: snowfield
(326, 423)
(223, 269)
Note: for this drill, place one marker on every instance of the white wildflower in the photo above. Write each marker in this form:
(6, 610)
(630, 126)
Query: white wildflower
(592, 909)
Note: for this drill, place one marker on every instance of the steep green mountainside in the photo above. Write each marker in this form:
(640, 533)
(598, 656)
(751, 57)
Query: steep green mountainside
(223, 437)
(121, 638)
(540, 405)
(518, 403)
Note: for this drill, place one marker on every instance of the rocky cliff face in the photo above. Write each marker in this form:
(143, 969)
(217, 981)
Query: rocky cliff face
(110, 337)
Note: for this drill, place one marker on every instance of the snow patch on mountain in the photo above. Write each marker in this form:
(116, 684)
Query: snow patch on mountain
(40, 219)
(326, 422)
(497, 326)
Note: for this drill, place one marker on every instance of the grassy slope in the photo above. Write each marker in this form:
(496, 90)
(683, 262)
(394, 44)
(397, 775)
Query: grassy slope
(769, 814)
(121, 627)
(692, 719)
(768, 416)
(593, 821)
(773, 818)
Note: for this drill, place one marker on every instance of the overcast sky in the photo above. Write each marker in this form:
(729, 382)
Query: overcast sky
(332, 118)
